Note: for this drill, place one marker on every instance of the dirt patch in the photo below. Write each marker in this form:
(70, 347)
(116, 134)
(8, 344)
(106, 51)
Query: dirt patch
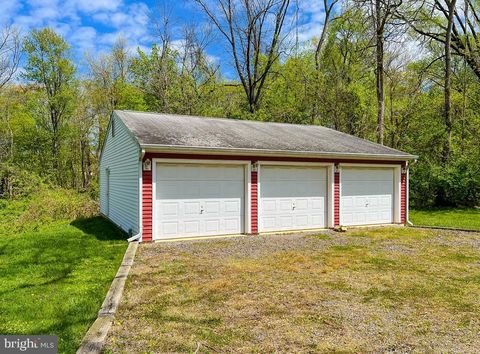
(393, 290)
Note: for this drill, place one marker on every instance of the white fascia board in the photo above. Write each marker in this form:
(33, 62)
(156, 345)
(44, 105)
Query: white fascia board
(283, 153)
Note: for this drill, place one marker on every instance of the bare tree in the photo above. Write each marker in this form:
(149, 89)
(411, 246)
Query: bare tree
(108, 74)
(423, 17)
(253, 30)
(328, 12)
(382, 14)
(458, 35)
(196, 69)
(448, 70)
(10, 49)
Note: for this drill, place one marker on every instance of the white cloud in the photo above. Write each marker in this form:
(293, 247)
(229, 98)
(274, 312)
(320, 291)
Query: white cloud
(76, 21)
(83, 39)
(92, 6)
(8, 7)
(212, 59)
(310, 18)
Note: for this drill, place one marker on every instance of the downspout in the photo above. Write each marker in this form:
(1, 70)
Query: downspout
(139, 235)
(407, 202)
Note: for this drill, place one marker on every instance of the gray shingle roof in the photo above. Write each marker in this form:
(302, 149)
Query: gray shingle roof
(157, 130)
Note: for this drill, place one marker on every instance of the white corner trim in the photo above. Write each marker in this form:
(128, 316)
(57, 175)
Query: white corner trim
(397, 191)
(407, 195)
(154, 198)
(248, 199)
(140, 200)
(331, 196)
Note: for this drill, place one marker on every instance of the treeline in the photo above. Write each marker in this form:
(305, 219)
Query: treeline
(403, 73)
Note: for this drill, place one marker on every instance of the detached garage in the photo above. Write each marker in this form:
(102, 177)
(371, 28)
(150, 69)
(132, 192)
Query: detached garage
(165, 176)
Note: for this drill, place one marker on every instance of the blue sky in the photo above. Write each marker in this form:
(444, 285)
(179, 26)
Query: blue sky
(92, 26)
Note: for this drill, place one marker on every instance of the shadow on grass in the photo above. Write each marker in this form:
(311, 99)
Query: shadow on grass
(101, 228)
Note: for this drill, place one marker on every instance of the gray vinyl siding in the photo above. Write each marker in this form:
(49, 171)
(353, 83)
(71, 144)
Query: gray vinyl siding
(121, 156)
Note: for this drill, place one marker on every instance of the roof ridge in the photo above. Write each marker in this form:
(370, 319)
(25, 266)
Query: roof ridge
(226, 119)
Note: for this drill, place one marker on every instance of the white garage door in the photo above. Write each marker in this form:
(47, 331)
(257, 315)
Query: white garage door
(366, 196)
(292, 198)
(198, 200)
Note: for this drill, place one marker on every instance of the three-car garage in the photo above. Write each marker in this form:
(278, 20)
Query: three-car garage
(165, 177)
(208, 198)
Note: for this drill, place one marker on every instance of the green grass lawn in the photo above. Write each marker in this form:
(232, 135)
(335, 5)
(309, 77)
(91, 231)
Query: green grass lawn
(447, 217)
(54, 279)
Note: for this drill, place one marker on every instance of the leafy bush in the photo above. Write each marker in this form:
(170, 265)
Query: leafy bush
(457, 184)
(44, 207)
(16, 182)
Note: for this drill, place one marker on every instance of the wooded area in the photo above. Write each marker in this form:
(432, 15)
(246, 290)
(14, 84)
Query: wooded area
(403, 73)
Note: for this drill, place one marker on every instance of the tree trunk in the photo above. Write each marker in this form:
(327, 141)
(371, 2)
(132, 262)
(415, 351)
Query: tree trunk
(82, 164)
(392, 117)
(379, 72)
(447, 92)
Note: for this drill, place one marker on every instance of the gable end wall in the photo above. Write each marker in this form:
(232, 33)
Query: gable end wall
(121, 156)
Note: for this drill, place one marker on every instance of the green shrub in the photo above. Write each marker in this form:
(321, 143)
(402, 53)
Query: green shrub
(456, 184)
(17, 183)
(44, 207)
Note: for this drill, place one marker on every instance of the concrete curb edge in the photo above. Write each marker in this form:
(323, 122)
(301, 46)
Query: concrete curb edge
(442, 228)
(97, 333)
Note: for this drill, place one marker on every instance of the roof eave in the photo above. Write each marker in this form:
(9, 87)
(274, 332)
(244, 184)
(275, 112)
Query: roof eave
(261, 152)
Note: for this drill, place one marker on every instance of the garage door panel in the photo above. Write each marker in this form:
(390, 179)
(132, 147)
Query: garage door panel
(269, 206)
(232, 206)
(232, 224)
(285, 205)
(386, 201)
(197, 200)
(366, 196)
(169, 228)
(212, 225)
(169, 209)
(317, 219)
(212, 207)
(301, 204)
(302, 220)
(318, 204)
(191, 208)
(292, 198)
(268, 222)
(192, 227)
(286, 221)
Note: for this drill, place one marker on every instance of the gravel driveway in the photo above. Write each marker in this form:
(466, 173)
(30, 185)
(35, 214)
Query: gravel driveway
(395, 290)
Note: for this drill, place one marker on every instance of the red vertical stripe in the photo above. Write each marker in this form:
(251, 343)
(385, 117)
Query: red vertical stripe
(147, 206)
(254, 201)
(336, 198)
(403, 198)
